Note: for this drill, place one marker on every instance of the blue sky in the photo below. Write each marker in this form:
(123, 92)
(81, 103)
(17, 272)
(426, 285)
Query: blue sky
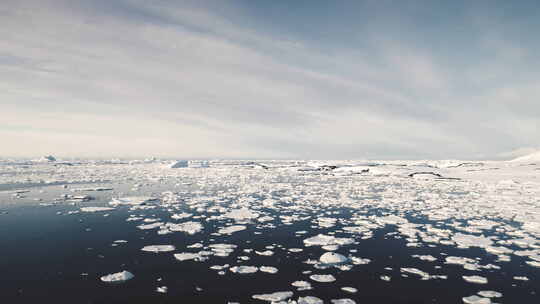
(270, 79)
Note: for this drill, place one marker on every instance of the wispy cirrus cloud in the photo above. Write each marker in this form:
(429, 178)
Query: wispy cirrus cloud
(206, 80)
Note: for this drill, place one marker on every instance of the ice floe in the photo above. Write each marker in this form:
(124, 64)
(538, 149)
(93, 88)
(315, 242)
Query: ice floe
(118, 277)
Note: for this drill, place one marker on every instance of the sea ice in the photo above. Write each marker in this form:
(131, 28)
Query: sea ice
(323, 240)
(118, 277)
(158, 248)
(323, 278)
(333, 258)
(184, 256)
(490, 294)
(349, 289)
(95, 209)
(274, 297)
(476, 300)
(231, 229)
(268, 269)
(343, 301)
(241, 214)
(244, 269)
(301, 285)
(309, 300)
(475, 279)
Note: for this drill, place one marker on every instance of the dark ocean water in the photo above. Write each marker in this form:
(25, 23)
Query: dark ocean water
(49, 256)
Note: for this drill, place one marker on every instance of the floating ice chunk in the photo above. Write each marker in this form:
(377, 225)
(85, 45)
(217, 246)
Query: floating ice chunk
(302, 285)
(490, 294)
(349, 289)
(274, 297)
(458, 260)
(343, 301)
(323, 278)
(179, 164)
(330, 247)
(268, 269)
(475, 279)
(241, 214)
(118, 277)
(533, 264)
(120, 241)
(95, 209)
(517, 278)
(187, 227)
(180, 216)
(150, 226)
(222, 250)
(134, 200)
(263, 219)
(476, 300)
(323, 240)
(296, 250)
(309, 300)
(333, 258)
(385, 278)
(158, 248)
(424, 275)
(185, 256)
(391, 220)
(219, 267)
(467, 240)
(428, 258)
(244, 269)
(265, 253)
(231, 229)
(359, 261)
(162, 289)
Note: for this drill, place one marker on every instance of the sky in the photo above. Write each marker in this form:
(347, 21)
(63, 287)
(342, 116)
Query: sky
(270, 79)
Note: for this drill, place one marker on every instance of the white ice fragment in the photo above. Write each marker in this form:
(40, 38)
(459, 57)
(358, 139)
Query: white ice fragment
(301, 285)
(133, 200)
(385, 278)
(323, 278)
(150, 226)
(241, 214)
(187, 227)
(467, 240)
(118, 277)
(162, 289)
(323, 240)
(158, 248)
(309, 300)
(490, 294)
(522, 278)
(184, 256)
(179, 216)
(342, 301)
(244, 269)
(268, 269)
(95, 209)
(265, 253)
(333, 258)
(475, 279)
(274, 297)
(476, 300)
(231, 229)
(349, 289)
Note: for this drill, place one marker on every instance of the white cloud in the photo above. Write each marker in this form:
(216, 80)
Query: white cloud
(136, 78)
